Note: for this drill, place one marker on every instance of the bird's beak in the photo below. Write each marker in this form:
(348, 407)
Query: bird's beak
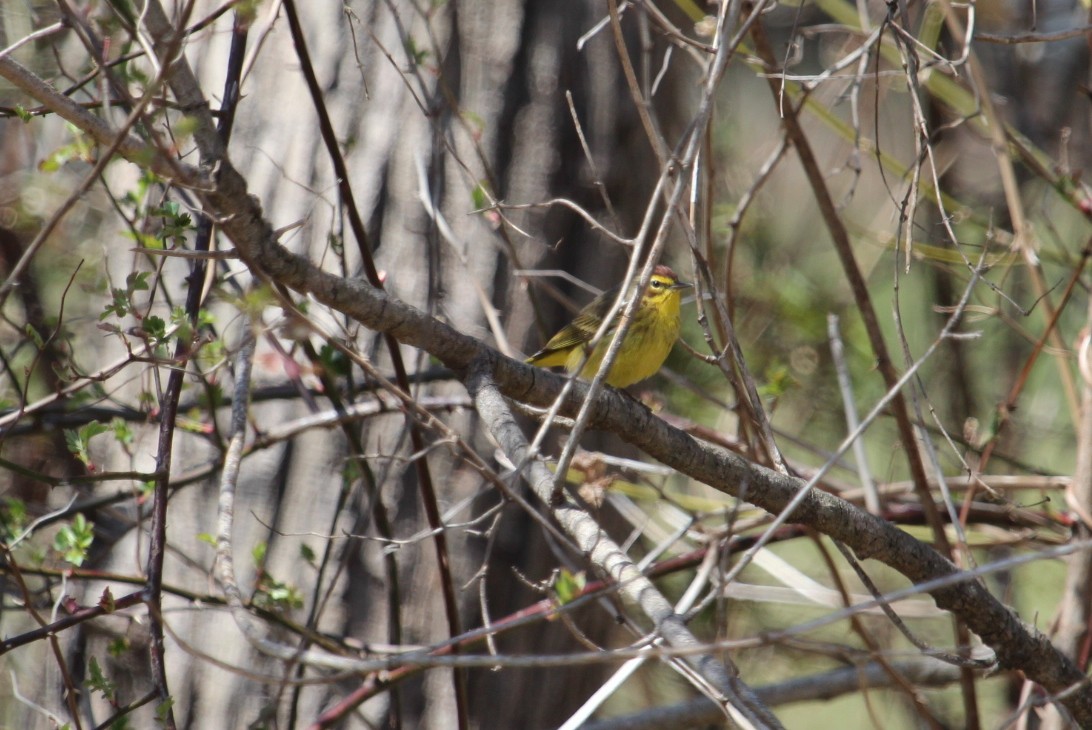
(682, 285)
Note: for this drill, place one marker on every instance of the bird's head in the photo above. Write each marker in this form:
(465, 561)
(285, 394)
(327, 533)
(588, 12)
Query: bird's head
(664, 287)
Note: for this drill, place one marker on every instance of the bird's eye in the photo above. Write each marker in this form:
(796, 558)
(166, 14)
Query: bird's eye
(655, 284)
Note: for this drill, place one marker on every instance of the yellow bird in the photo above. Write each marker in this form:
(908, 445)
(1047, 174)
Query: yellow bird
(648, 340)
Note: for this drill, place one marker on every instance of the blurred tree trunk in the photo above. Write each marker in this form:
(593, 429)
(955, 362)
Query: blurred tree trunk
(472, 94)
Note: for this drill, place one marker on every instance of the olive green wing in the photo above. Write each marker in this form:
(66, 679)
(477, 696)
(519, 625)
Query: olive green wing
(576, 333)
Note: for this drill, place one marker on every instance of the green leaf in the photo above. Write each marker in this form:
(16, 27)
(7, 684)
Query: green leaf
(181, 322)
(118, 646)
(75, 446)
(176, 223)
(92, 429)
(78, 442)
(163, 710)
(417, 55)
(350, 472)
(212, 353)
(569, 586)
(97, 681)
(78, 149)
(156, 329)
(122, 431)
(118, 307)
(480, 195)
(122, 302)
(74, 539)
(137, 281)
(334, 361)
(13, 518)
(276, 595)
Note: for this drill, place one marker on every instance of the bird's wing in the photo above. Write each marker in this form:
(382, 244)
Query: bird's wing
(576, 333)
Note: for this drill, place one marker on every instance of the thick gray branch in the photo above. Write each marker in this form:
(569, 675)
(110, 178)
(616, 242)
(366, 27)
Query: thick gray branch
(603, 552)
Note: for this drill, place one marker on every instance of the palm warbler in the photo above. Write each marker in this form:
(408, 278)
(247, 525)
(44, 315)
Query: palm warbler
(648, 341)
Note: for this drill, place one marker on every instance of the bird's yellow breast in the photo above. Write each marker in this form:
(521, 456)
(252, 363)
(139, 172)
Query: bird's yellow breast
(647, 344)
